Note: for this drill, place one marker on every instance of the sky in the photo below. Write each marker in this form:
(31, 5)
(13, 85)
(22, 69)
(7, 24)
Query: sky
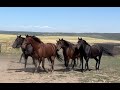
(61, 19)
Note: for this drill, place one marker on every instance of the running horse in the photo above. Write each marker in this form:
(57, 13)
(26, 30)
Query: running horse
(69, 51)
(87, 51)
(42, 50)
(26, 52)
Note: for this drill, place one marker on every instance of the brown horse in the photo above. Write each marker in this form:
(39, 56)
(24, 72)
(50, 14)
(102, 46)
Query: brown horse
(42, 51)
(69, 51)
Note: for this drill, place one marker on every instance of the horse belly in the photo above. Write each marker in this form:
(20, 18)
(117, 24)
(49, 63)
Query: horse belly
(95, 53)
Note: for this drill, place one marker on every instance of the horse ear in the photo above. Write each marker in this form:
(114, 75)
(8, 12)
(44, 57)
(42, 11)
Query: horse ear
(62, 38)
(20, 36)
(27, 35)
(59, 39)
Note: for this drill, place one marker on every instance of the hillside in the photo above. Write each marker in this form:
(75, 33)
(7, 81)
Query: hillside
(112, 36)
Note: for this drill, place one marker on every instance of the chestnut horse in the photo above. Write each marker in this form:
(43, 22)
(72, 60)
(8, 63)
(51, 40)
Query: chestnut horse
(42, 50)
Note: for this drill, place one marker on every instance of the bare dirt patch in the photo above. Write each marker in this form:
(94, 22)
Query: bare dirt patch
(13, 72)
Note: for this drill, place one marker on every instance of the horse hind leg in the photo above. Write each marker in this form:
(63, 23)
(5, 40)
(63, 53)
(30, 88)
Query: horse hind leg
(99, 62)
(96, 63)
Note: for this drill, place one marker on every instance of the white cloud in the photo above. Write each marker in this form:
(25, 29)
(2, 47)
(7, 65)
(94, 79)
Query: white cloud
(47, 27)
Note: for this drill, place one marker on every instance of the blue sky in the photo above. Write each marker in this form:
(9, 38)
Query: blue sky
(61, 19)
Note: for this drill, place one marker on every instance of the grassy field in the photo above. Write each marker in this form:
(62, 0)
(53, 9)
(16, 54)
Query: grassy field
(7, 41)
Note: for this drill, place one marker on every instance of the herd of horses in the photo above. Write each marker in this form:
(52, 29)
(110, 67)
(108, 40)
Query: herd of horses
(32, 46)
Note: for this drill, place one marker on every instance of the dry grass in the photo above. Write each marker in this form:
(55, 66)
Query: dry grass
(7, 41)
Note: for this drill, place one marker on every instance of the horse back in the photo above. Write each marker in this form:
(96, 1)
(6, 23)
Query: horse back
(47, 50)
(95, 50)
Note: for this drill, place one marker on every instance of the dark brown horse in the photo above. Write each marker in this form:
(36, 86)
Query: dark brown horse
(68, 51)
(42, 50)
(28, 51)
(87, 51)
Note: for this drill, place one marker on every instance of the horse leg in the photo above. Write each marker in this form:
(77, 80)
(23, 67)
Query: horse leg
(43, 61)
(77, 61)
(96, 62)
(21, 58)
(33, 59)
(99, 61)
(74, 63)
(65, 59)
(80, 64)
(87, 64)
(35, 69)
(52, 63)
(71, 63)
(38, 68)
(26, 57)
(81, 59)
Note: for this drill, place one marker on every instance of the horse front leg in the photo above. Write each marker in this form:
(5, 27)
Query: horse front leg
(43, 61)
(52, 63)
(81, 60)
(74, 63)
(21, 58)
(35, 69)
(25, 58)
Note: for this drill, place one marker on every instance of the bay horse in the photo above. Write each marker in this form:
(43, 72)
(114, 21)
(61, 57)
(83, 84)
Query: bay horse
(43, 50)
(69, 51)
(87, 51)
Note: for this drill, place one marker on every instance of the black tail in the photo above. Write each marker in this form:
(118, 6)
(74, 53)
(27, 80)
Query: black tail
(106, 51)
(59, 56)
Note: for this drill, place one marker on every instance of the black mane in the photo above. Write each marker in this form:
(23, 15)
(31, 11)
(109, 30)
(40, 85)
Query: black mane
(86, 42)
(67, 43)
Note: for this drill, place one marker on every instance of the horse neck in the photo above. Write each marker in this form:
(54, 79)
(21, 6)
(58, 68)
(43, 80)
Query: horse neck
(71, 46)
(35, 44)
(22, 41)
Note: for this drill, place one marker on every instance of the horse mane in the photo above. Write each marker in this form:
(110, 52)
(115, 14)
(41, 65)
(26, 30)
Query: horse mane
(86, 42)
(37, 39)
(67, 43)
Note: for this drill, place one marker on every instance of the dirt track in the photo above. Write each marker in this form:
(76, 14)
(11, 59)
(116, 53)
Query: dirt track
(13, 72)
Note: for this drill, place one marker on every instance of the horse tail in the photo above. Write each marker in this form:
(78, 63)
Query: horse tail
(106, 51)
(59, 57)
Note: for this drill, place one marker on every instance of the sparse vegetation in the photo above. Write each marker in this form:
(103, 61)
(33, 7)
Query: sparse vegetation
(109, 69)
